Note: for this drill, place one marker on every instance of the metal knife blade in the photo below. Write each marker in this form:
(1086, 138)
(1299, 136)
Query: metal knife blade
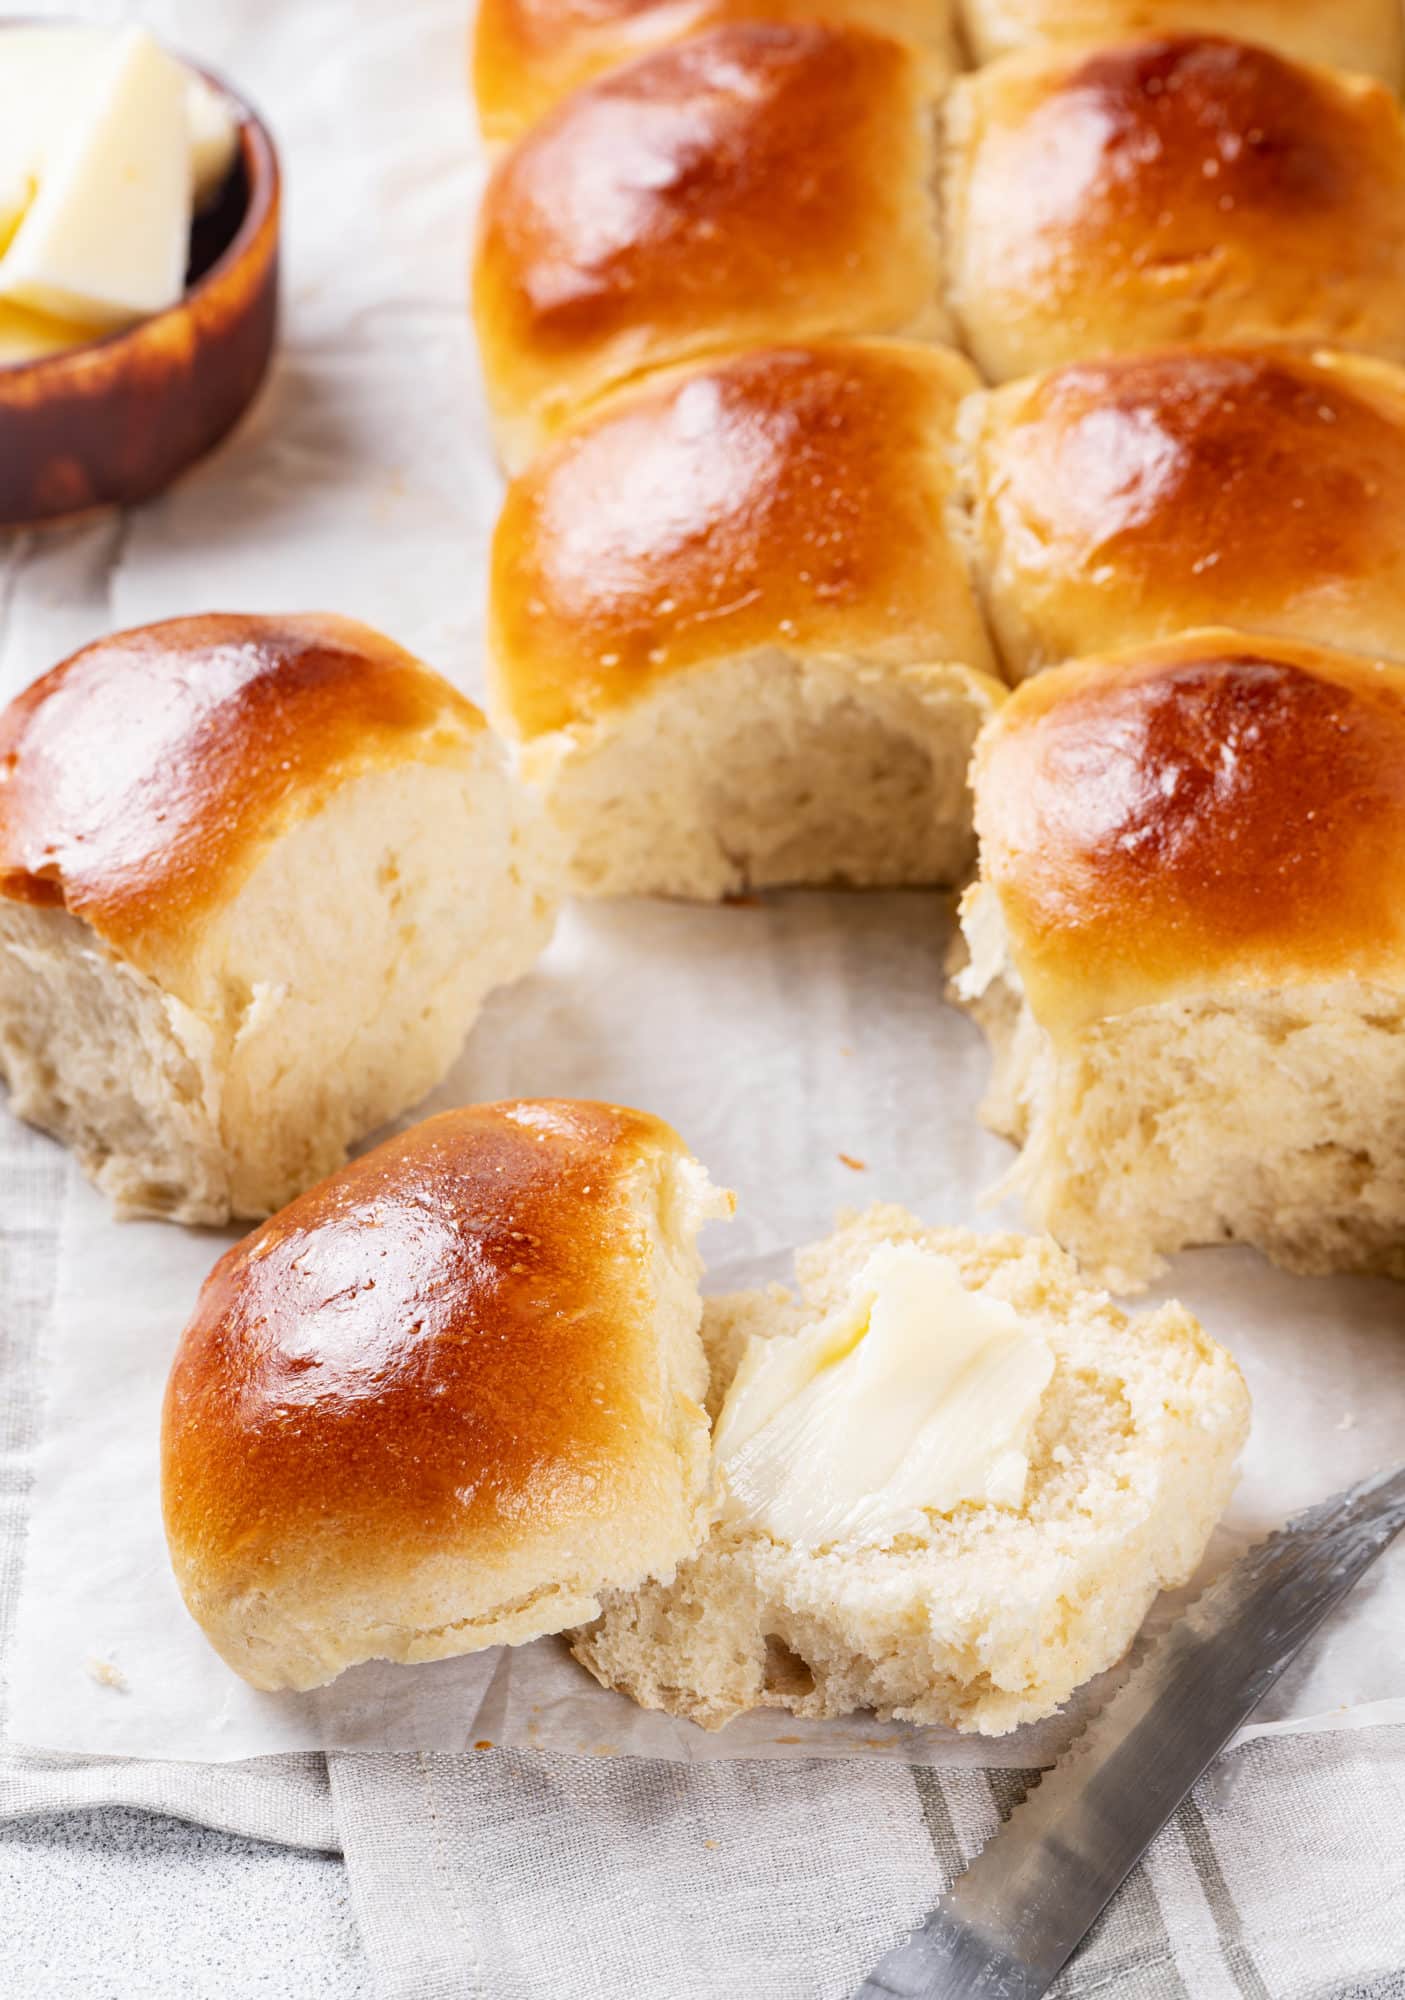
(1007, 1927)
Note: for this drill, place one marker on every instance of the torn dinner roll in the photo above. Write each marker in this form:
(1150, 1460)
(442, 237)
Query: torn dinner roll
(529, 54)
(1191, 188)
(447, 1398)
(763, 182)
(732, 627)
(1128, 499)
(1187, 946)
(952, 1479)
(257, 875)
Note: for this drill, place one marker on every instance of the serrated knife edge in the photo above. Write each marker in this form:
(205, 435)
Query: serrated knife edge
(1008, 1925)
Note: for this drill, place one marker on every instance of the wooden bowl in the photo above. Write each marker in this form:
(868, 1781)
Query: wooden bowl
(116, 420)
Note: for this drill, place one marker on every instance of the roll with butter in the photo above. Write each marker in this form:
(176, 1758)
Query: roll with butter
(951, 1480)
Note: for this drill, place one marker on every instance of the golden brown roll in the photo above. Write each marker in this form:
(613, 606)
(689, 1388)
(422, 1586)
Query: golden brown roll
(1188, 189)
(257, 875)
(1365, 35)
(760, 183)
(731, 624)
(446, 1397)
(528, 54)
(1124, 500)
(1188, 947)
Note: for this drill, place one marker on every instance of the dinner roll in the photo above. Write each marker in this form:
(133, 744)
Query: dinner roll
(731, 625)
(528, 54)
(257, 875)
(762, 182)
(1123, 500)
(1174, 190)
(982, 1616)
(446, 1398)
(1366, 35)
(1188, 949)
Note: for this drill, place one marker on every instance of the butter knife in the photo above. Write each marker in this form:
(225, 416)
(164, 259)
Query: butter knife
(1007, 1927)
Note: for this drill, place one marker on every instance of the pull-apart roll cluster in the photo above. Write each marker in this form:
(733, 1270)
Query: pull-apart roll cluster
(776, 551)
(770, 181)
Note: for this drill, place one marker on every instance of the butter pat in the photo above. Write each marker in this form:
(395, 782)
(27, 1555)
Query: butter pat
(27, 336)
(46, 75)
(106, 237)
(917, 1396)
(48, 78)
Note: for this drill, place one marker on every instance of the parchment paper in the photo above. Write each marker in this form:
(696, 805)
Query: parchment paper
(777, 1037)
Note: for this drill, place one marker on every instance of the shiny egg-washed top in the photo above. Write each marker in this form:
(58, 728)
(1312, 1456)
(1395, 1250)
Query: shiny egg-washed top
(1212, 813)
(792, 497)
(762, 182)
(141, 779)
(1154, 192)
(450, 1340)
(1128, 499)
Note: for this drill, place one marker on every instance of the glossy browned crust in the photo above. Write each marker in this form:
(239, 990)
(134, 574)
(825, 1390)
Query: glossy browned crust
(442, 1348)
(1128, 499)
(1159, 191)
(1212, 811)
(791, 497)
(113, 423)
(1366, 35)
(143, 776)
(760, 182)
(528, 54)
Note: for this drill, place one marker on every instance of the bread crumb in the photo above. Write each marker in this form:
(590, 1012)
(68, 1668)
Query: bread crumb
(106, 1674)
(855, 1166)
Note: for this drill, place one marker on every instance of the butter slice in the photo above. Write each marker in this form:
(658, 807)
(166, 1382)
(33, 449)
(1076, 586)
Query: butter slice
(917, 1396)
(27, 336)
(48, 78)
(106, 237)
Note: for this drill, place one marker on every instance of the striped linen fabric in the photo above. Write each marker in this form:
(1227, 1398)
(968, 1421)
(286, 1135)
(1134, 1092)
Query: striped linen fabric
(510, 1875)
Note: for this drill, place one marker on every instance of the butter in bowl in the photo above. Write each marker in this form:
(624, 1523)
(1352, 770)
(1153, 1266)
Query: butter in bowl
(138, 266)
